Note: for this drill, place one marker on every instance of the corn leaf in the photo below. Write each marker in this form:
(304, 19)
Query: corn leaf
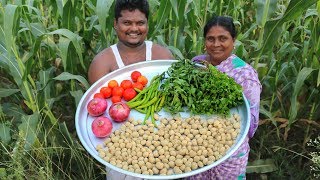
(77, 96)
(60, 4)
(75, 41)
(10, 24)
(13, 110)
(176, 52)
(273, 28)
(267, 113)
(162, 16)
(153, 4)
(192, 8)
(37, 29)
(65, 76)
(174, 5)
(3, 173)
(67, 136)
(12, 67)
(44, 80)
(68, 17)
(5, 135)
(28, 128)
(7, 92)
(102, 9)
(261, 166)
(64, 47)
(2, 40)
(7, 60)
(302, 76)
(265, 9)
(318, 81)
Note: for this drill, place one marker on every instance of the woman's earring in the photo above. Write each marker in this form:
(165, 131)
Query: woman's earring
(205, 48)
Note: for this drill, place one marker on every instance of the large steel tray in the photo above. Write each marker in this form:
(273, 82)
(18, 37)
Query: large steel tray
(149, 69)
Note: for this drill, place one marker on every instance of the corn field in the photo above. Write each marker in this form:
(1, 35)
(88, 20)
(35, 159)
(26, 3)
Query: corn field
(46, 48)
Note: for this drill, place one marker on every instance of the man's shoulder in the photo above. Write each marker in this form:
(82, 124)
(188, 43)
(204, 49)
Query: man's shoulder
(160, 52)
(105, 53)
(104, 59)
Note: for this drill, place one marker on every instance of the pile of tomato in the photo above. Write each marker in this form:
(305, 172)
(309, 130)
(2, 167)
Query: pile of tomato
(127, 89)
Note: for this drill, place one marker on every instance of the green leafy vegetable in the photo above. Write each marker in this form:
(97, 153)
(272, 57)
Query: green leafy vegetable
(201, 90)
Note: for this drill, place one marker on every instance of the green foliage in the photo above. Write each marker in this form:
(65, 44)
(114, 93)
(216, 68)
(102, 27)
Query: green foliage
(7, 92)
(5, 133)
(315, 167)
(67, 76)
(46, 47)
(261, 166)
(273, 28)
(202, 91)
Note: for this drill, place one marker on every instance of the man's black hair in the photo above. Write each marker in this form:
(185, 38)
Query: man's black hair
(141, 5)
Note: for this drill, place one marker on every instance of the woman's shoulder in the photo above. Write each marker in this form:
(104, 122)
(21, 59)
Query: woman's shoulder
(237, 68)
(238, 63)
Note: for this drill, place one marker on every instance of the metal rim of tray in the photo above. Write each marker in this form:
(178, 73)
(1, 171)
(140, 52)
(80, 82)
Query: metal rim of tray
(83, 131)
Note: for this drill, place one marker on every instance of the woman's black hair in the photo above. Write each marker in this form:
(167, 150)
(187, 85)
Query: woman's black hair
(223, 21)
(141, 5)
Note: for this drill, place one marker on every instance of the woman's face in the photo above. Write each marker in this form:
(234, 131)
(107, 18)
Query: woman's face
(219, 44)
(131, 27)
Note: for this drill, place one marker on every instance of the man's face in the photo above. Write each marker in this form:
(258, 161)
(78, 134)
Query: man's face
(131, 27)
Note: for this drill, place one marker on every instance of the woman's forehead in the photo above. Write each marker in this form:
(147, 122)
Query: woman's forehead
(218, 30)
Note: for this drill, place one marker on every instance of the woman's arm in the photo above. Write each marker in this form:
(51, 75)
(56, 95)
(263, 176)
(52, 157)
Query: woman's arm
(252, 90)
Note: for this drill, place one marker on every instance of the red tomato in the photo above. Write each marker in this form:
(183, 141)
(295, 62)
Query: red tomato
(106, 91)
(135, 75)
(126, 84)
(117, 91)
(129, 94)
(98, 95)
(137, 85)
(115, 99)
(143, 80)
(112, 84)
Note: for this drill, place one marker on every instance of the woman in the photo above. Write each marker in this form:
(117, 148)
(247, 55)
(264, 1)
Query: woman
(220, 35)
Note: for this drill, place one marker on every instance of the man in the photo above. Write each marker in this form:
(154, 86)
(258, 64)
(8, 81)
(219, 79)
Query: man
(131, 26)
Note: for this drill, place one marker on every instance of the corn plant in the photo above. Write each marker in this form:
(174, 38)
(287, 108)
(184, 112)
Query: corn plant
(29, 56)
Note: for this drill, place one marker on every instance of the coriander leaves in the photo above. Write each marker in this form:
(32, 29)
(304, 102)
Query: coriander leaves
(202, 91)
